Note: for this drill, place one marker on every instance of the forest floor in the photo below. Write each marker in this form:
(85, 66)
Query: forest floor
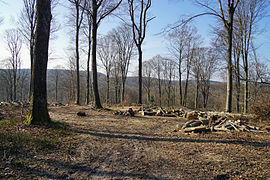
(102, 145)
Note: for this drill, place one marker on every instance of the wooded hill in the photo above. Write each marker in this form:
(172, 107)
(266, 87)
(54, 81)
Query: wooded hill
(61, 88)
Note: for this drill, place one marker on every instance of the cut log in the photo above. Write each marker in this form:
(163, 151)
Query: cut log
(192, 123)
(195, 129)
(220, 129)
(145, 113)
(169, 115)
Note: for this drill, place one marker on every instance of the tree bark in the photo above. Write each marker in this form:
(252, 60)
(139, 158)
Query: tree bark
(229, 64)
(180, 83)
(196, 93)
(159, 90)
(246, 90)
(94, 57)
(31, 62)
(38, 113)
(238, 90)
(108, 89)
(88, 67)
(140, 74)
(77, 54)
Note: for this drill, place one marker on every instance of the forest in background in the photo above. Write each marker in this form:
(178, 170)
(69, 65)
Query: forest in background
(183, 78)
(61, 89)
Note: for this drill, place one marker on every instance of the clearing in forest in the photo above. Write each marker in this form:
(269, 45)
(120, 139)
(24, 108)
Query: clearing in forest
(102, 145)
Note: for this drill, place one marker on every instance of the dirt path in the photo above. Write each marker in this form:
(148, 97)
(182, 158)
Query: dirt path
(114, 147)
(104, 146)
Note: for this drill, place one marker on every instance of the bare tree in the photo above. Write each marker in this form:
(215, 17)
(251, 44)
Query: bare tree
(248, 14)
(14, 44)
(56, 75)
(209, 64)
(157, 67)
(226, 15)
(107, 54)
(122, 37)
(138, 15)
(147, 78)
(87, 33)
(116, 79)
(168, 74)
(6, 77)
(259, 74)
(38, 113)
(27, 25)
(78, 15)
(196, 70)
(192, 45)
(98, 10)
(177, 47)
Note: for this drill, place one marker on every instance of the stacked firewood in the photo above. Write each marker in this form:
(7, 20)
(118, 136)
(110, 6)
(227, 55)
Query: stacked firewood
(204, 123)
(159, 111)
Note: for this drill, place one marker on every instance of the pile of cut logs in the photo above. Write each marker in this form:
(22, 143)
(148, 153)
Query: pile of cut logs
(159, 111)
(201, 122)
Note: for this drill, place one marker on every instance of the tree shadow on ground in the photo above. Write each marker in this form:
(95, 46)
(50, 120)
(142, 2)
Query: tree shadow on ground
(80, 168)
(177, 140)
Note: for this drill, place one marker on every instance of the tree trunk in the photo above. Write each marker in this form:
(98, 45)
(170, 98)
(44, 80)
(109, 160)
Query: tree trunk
(229, 28)
(140, 74)
(180, 87)
(56, 88)
(31, 62)
(196, 94)
(159, 90)
(186, 89)
(108, 89)
(94, 59)
(238, 90)
(14, 84)
(88, 68)
(246, 90)
(77, 55)
(229, 80)
(123, 91)
(38, 113)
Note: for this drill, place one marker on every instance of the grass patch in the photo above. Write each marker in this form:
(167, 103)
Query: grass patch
(16, 137)
(22, 142)
(7, 123)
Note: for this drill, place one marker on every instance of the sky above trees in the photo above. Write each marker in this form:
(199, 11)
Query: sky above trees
(165, 11)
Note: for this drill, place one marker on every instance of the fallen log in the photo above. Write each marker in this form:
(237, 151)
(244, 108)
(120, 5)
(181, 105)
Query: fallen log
(145, 113)
(195, 129)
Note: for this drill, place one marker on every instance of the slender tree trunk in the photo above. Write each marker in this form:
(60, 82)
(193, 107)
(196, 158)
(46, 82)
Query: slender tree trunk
(186, 89)
(196, 94)
(94, 59)
(116, 93)
(159, 90)
(88, 68)
(56, 89)
(15, 85)
(77, 55)
(246, 90)
(180, 86)
(238, 90)
(38, 113)
(149, 89)
(123, 92)
(108, 89)
(31, 62)
(140, 74)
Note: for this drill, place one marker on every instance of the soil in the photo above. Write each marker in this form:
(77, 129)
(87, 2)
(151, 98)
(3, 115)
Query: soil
(102, 145)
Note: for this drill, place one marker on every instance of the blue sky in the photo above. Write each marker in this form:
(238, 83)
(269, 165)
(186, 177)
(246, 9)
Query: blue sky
(165, 11)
